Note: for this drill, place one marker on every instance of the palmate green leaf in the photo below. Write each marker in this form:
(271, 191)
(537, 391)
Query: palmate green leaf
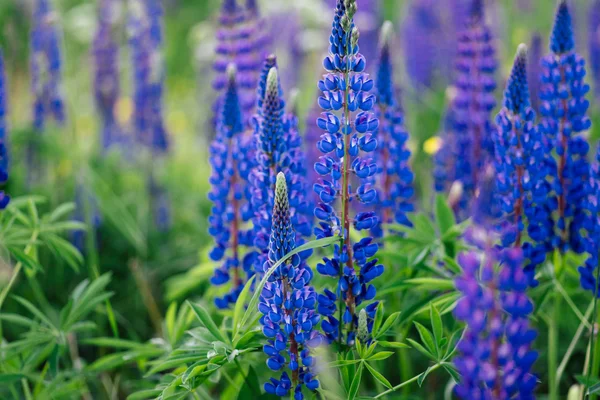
(145, 394)
(419, 347)
(63, 249)
(387, 325)
(17, 320)
(342, 363)
(436, 325)
(35, 311)
(451, 349)
(443, 214)
(452, 372)
(30, 263)
(208, 323)
(427, 338)
(378, 319)
(84, 299)
(393, 345)
(114, 360)
(452, 265)
(382, 355)
(353, 391)
(60, 212)
(378, 376)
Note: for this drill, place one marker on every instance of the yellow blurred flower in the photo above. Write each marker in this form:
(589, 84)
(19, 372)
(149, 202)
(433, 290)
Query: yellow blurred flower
(432, 145)
(123, 110)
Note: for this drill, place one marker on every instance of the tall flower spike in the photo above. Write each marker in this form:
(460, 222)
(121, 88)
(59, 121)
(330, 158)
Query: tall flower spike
(348, 125)
(4, 198)
(594, 44)
(395, 179)
(520, 169)
(564, 108)
(588, 272)
(107, 88)
(475, 83)
(227, 182)
(46, 66)
(278, 149)
(287, 303)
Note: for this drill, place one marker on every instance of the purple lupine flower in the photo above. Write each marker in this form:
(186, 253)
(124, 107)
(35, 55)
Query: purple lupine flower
(534, 70)
(588, 272)
(564, 108)
(395, 179)
(4, 198)
(287, 303)
(348, 125)
(520, 169)
(46, 66)
(594, 44)
(494, 355)
(107, 88)
(278, 150)
(475, 83)
(228, 182)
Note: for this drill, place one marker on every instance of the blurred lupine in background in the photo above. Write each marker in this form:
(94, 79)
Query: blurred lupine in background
(456, 255)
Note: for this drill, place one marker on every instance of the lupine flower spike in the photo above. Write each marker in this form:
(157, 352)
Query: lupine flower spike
(475, 83)
(494, 354)
(105, 52)
(288, 303)
(520, 173)
(228, 178)
(594, 44)
(564, 118)
(4, 198)
(348, 125)
(588, 273)
(395, 179)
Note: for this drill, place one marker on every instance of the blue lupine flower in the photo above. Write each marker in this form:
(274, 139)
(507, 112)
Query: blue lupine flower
(107, 88)
(494, 355)
(4, 198)
(287, 303)
(475, 83)
(347, 138)
(594, 44)
(534, 70)
(587, 272)
(520, 169)
(46, 66)
(228, 180)
(395, 178)
(278, 149)
(563, 111)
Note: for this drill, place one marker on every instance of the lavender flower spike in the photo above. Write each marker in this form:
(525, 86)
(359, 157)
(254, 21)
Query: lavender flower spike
(287, 303)
(4, 198)
(348, 125)
(520, 169)
(594, 44)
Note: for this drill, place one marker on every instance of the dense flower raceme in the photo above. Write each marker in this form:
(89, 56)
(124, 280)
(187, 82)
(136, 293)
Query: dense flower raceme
(241, 40)
(4, 198)
(46, 66)
(105, 52)
(345, 143)
(520, 169)
(230, 173)
(594, 44)
(278, 149)
(563, 111)
(588, 272)
(494, 355)
(288, 303)
(395, 178)
(475, 84)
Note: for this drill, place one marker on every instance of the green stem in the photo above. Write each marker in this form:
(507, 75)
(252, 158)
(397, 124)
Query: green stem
(580, 329)
(26, 390)
(411, 380)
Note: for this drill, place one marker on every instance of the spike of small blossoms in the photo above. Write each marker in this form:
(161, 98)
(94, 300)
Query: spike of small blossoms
(588, 273)
(287, 303)
(395, 179)
(107, 87)
(4, 198)
(564, 118)
(475, 83)
(347, 139)
(521, 176)
(594, 44)
(228, 180)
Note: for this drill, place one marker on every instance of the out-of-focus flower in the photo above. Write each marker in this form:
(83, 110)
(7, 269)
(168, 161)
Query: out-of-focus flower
(594, 44)
(4, 198)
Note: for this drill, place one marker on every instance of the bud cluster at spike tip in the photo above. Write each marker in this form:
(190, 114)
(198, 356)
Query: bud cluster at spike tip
(4, 198)
(476, 65)
(395, 178)
(563, 111)
(520, 169)
(278, 149)
(107, 87)
(228, 180)
(46, 66)
(144, 26)
(241, 40)
(347, 139)
(494, 354)
(287, 304)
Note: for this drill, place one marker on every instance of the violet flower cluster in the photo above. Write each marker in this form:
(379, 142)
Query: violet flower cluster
(564, 118)
(278, 149)
(46, 66)
(229, 177)
(476, 65)
(395, 178)
(594, 44)
(346, 142)
(4, 198)
(588, 273)
(287, 303)
(107, 87)
(521, 183)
